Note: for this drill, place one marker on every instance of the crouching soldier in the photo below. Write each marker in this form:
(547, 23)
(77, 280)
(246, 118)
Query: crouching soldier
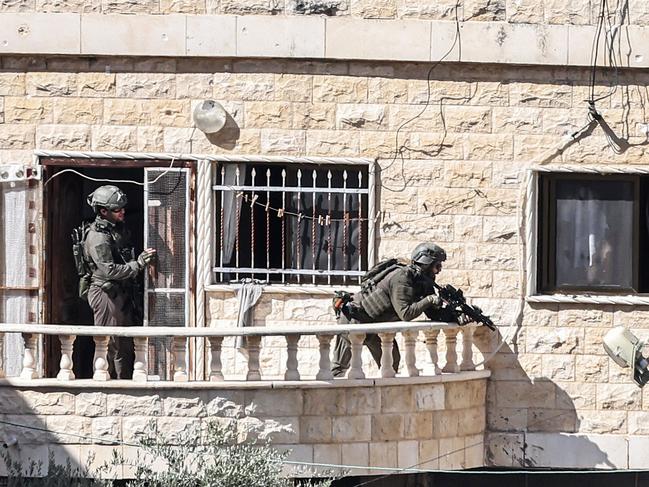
(113, 267)
(397, 292)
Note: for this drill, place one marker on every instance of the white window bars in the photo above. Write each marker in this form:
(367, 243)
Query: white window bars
(293, 223)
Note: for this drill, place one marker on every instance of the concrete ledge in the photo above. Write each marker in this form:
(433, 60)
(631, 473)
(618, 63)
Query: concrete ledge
(404, 40)
(500, 42)
(311, 37)
(40, 33)
(133, 35)
(628, 300)
(89, 384)
(284, 37)
(211, 35)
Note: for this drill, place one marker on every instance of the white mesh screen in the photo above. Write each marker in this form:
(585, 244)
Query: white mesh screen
(167, 283)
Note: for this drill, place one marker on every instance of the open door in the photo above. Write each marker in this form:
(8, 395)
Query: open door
(167, 284)
(65, 207)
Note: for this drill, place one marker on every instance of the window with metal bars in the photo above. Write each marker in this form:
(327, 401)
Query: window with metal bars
(291, 223)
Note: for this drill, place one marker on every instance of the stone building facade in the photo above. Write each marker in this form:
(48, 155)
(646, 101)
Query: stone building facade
(454, 142)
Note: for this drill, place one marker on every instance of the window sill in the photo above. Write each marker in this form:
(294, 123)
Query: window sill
(285, 289)
(627, 300)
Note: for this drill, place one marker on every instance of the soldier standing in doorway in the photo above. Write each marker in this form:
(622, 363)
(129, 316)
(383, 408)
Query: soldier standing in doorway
(113, 287)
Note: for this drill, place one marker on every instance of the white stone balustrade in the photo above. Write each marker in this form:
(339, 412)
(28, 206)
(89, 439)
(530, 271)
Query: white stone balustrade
(411, 332)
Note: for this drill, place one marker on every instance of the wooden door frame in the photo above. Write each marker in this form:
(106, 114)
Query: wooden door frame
(50, 352)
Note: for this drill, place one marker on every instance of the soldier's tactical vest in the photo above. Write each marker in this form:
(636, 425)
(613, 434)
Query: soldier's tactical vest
(85, 267)
(375, 287)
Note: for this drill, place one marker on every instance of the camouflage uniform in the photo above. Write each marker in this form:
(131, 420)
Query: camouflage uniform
(402, 295)
(111, 295)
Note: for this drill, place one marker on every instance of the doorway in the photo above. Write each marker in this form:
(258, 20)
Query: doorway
(65, 208)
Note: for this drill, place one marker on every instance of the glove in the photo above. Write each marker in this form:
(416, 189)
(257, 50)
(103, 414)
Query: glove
(463, 319)
(434, 300)
(145, 258)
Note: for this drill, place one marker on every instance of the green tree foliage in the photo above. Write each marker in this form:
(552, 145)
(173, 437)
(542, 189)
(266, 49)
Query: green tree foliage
(218, 459)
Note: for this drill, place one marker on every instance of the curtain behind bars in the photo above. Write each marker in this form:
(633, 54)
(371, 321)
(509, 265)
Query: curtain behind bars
(303, 243)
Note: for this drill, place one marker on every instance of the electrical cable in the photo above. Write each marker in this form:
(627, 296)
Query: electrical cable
(595, 50)
(180, 173)
(130, 181)
(105, 180)
(399, 149)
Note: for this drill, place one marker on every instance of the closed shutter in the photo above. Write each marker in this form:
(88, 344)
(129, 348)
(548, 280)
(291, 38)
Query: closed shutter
(19, 258)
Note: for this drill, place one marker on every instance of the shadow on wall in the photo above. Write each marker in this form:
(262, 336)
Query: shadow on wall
(32, 427)
(532, 422)
(228, 136)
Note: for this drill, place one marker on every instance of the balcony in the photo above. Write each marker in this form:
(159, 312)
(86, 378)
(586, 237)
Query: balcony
(431, 415)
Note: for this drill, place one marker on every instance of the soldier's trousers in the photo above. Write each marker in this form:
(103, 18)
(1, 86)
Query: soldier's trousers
(343, 353)
(115, 311)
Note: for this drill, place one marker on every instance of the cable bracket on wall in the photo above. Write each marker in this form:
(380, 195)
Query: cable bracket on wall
(15, 172)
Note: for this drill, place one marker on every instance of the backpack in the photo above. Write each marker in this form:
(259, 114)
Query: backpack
(378, 272)
(369, 280)
(79, 236)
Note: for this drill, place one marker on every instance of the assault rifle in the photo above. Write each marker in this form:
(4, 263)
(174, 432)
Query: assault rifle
(454, 299)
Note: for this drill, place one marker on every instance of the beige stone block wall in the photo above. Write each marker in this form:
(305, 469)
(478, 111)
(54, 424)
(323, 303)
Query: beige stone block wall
(360, 425)
(578, 12)
(459, 184)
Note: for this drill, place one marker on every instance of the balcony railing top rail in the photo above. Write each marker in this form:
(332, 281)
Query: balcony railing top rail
(181, 331)
(178, 337)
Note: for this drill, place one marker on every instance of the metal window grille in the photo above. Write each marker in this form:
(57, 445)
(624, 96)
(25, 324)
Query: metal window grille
(292, 223)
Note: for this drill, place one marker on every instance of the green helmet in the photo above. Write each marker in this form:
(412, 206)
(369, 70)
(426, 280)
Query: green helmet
(109, 196)
(427, 253)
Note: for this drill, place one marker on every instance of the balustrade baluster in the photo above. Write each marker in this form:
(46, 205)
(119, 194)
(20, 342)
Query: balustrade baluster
(451, 351)
(29, 357)
(215, 359)
(100, 361)
(180, 369)
(67, 345)
(432, 368)
(387, 344)
(253, 344)
(324, 372)
(409, 341)
(356, 363)
(140, 366)
(467, 348)
(291, 360)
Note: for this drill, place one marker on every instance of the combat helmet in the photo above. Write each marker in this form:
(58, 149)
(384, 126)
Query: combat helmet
(427, 253)
(108, 196)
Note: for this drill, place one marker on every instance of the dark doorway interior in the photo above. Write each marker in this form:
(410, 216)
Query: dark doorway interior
(65, 208)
